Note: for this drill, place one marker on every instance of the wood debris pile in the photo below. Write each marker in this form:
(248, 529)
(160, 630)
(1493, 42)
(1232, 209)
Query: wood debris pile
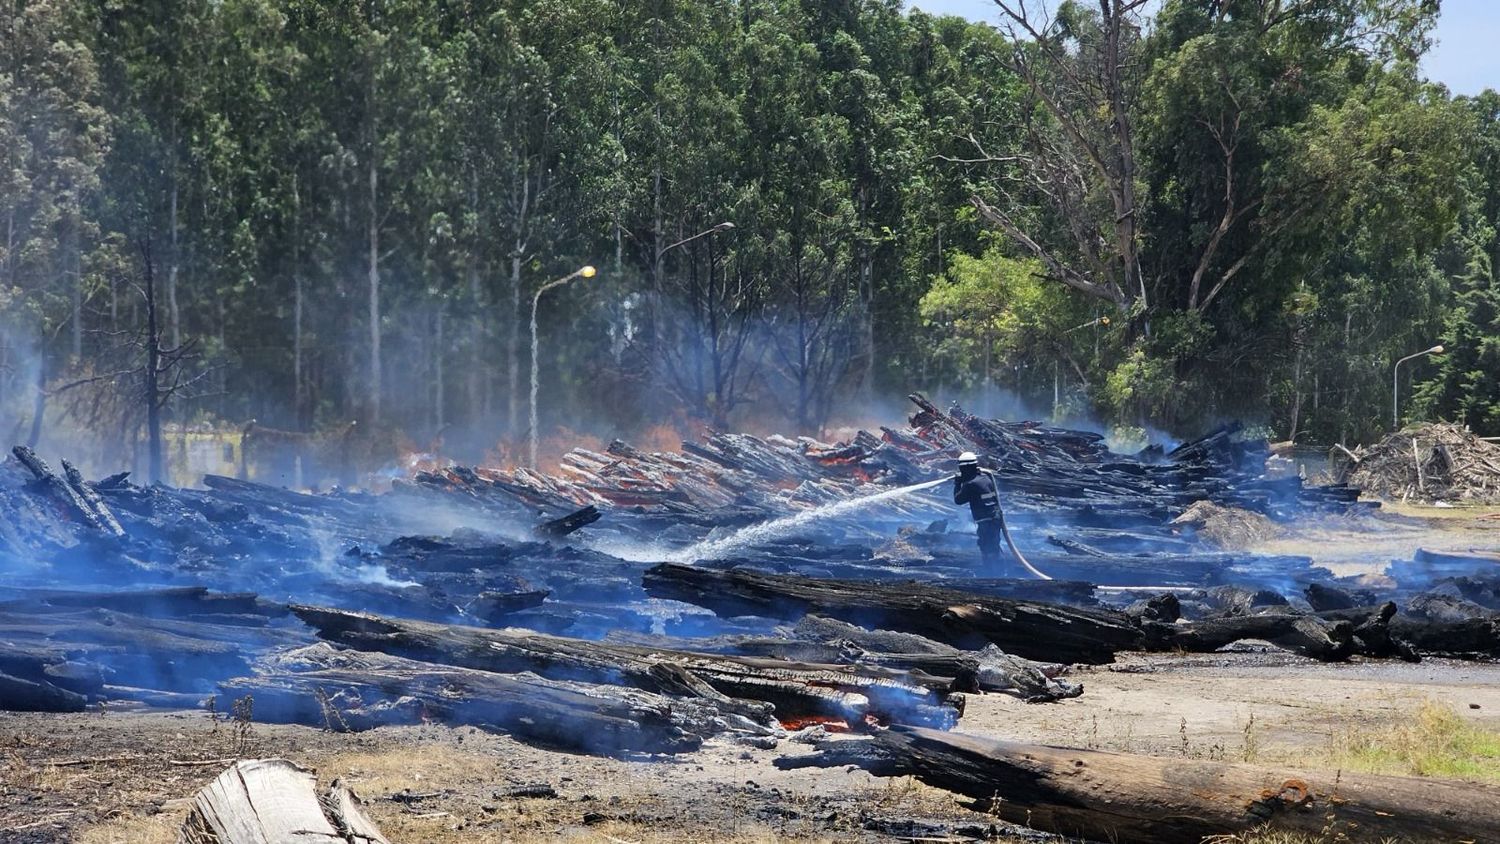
(1432, 462)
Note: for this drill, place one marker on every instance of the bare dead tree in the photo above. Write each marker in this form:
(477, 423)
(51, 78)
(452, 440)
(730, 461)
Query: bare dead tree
(1080, 76)
(1080, 151)
(153, 374)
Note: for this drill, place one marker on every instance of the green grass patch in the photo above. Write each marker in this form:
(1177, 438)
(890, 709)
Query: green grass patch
(1435, 742)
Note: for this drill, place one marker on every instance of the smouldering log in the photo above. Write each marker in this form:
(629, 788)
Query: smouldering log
(353, 690)
(962, 619)
(88, 509)
(569, 523)
(1304, 634)
(746, 683)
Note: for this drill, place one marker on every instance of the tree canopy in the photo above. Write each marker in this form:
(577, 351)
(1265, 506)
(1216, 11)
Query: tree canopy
(1148, 214)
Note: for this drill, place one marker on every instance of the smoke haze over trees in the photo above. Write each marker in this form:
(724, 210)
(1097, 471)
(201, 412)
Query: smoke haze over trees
(1152, 214)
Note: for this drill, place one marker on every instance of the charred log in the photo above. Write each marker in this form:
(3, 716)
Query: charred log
(1446, 608)
(996, 671)
(96, 506)
(171, 602)
(353, 690)
(960, 619)
(567, 524)
(1165, 608)
(1321, 596)
(76, 504)
(18, 695)
(1467, 639)
(746, 684)
(1304, 634)
(1125, 798)
(83, 649)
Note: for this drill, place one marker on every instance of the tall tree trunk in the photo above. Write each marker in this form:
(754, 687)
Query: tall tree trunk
(373, 230)
(1132, 281)
(221, 374)
(1348, 380)
(985, 386)
(476, 314)
(513, 315)
(75, 286)
(513, 350)
(441, 387)
(299, 393)
(654, 314)
(173, 225)
(720, 409)
(1296, 390)
(151, 391)
(866, 326)
(10, 248)
(39, 406)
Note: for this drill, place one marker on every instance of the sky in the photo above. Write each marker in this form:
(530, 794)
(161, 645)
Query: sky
(1466, 56)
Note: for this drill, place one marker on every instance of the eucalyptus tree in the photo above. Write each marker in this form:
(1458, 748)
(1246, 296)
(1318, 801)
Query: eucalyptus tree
(526, 88)
(1466, 385)
(54, 133)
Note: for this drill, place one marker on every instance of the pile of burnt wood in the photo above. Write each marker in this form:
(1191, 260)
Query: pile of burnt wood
(735, 479)
(542, 605)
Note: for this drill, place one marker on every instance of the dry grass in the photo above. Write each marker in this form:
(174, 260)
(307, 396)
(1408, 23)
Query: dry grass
(160, 828)
(1271, 836)
(17, 772)
(425, 768)
(438, 768)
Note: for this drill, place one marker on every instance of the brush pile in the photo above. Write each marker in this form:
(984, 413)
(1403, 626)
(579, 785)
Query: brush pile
(1429, 463)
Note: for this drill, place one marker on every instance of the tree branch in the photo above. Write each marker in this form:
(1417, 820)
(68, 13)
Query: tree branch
(1060, 272)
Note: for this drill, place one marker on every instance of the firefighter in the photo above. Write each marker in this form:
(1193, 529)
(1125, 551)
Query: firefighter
(977, 489)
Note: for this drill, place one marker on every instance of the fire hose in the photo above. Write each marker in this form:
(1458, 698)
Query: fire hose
(1009, 541)
(1017, 551)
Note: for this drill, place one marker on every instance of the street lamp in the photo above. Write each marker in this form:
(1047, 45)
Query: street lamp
(656, 273)
(656, 264)
(1396, 385)
(722, 227)
(581, 272)
(1101, 321)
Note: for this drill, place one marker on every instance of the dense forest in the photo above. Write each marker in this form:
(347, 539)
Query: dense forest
(311, 213)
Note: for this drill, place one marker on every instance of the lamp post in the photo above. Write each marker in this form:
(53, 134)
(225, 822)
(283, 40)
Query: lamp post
(722, 227)
(656, 273)
(656, 260)
(1396, 384)
(581, 272)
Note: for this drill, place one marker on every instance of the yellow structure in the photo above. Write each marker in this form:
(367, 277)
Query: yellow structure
(192, 451)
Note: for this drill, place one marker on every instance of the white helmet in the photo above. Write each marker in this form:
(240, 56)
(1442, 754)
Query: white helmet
(968, 458)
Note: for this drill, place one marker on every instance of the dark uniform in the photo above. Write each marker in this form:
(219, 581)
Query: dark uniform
(977, 489)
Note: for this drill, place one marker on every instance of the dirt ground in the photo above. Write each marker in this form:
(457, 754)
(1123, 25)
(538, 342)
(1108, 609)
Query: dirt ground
(125, 775)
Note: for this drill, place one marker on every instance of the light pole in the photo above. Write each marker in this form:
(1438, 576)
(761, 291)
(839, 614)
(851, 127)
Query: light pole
(656, 293)
(656, 260)
(1396, 385)
(581, 272)
(722, 227)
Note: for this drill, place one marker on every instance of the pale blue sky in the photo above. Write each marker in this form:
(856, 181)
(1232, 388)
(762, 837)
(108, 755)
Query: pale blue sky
(1466, 57)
